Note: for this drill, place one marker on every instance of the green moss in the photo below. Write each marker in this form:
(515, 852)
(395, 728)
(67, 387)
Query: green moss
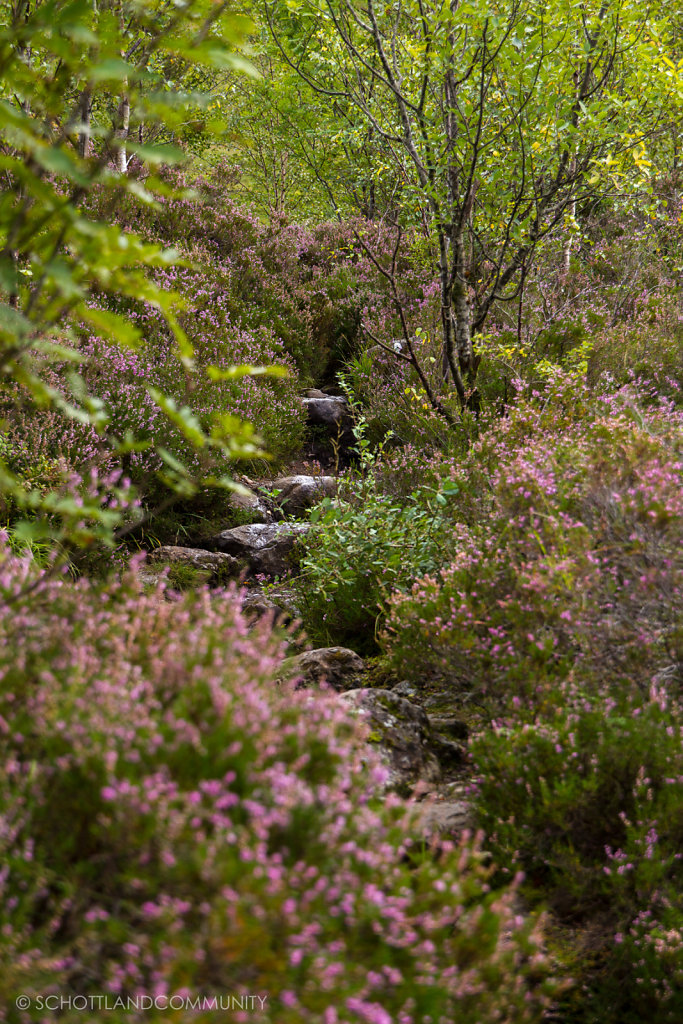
(186, 577)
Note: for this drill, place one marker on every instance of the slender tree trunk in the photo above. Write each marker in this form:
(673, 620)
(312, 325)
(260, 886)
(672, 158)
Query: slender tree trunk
(370, 205)
(122, 133)
(567, 247)
(462, 308)
(25, 54)
(459, 311)
(446, 307)
(450, 365)
(84, 134)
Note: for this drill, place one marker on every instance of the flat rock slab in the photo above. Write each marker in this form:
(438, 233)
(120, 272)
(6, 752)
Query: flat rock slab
(213, 562)
(150, 576)
(261, 547)
(408, 690)
(448, 817)
(299, 493)
(330, 411)
(257, 606)
(402, 734)
(340, 667)
(441, 704)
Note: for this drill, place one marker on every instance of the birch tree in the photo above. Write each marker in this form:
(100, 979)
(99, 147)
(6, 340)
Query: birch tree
(498, 118)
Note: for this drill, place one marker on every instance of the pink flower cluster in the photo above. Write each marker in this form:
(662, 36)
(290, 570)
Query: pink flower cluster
(172, 819)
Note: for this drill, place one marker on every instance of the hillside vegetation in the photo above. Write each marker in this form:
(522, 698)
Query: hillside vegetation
(342, 354)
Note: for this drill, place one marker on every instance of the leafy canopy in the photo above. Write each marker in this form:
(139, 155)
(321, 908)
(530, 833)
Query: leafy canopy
(82, 87)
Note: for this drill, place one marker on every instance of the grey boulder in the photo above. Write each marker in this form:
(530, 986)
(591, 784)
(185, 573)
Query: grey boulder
(446, 817)
(257, 606)
(340, 667)
(249, 505)
(299, 493)
(330, 411)
(266, 548)
(401, 732)
(213, 562)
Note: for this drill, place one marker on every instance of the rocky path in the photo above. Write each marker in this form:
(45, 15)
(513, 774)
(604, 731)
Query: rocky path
(423, 749)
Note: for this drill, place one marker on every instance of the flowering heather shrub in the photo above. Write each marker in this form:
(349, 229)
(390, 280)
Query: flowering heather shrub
(42, 447)
(649, 348)
(172, 821)
(305, 285)
(587, 795)
(568, 550)
(620, 298)
(403, 470)
(562, 608)
(121, 379)
(591, 788)
(45, 443)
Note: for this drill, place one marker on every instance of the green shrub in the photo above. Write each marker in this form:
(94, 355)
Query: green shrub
(586, 797)
(363, 547)
(561, 613)
(175, 824)
(186, 577)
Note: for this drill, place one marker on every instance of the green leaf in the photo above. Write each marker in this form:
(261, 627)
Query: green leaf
(182, 416)
(59, 162)
(14, 322)
(111, 325)
(235, 372)
(157, 156)
(113, 69)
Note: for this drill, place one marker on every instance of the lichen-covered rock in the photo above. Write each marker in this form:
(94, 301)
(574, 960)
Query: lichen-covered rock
(262, 547)
(447, 817)
(449, 726)
(278, 601)
(299, 493)
(286, 597)
(257, 606)
(214, 563)
(250, 506)
(150, 576)
(405, 689)
(401, 732)
(338, 666)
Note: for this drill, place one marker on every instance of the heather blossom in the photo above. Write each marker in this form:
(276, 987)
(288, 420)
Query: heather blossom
(174, 820)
